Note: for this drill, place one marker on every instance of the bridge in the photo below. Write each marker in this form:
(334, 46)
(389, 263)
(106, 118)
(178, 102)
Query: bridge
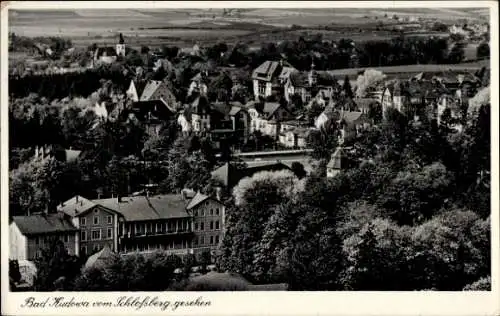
(284, 156)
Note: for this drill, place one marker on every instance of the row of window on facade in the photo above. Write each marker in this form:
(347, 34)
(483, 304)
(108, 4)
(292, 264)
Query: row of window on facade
(96, 220)
(45, 240)
(183, 244)
(96, 234)
(214, 225)
(211, 212)
(197, 125)
(259, 125)
(168, 227)
(39, 253)
(95, 248)
(200, 241)
(262, 88)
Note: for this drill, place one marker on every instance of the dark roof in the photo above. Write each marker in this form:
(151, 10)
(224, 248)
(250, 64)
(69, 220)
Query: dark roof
(109, 50)
(296, 123)
(286, 72)
(199, 104)
(156, 90)
(234, 110)
(414, 89)
(364, 103)
(351, 116)
(143, 208)
(270, 108)
(197, 199)
(301, 79)
(299, 131)
(76, 206)
(199, 77)
(221, 107)
(270, 70)
(330, 112)
(159, 109)
(42, 224)
(139, 86)
(149, 90)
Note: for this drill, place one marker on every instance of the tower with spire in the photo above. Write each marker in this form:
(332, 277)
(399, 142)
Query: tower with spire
(313, 75)
(120, 47)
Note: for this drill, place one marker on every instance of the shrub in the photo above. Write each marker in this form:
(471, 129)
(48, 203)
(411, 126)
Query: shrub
(214, 281)
(483, 284)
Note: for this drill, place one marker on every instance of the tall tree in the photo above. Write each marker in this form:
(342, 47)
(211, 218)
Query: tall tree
(56, 269)
(347, 88)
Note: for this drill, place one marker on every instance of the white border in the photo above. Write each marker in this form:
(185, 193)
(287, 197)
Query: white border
(276, 303)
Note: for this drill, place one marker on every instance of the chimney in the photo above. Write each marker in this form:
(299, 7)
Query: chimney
(119, 198)
(76, 198)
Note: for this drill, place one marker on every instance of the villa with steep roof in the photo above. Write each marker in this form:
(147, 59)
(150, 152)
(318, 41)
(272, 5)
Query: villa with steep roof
(98, 225)
(351, 124)
(156, 104)
(199, 84)
(309, 84)
(267, 117)
(219, 120)
(270, 77)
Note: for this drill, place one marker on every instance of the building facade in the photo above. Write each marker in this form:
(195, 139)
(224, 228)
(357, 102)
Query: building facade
(267, 118)
(174, 223)
(270, 77)
(208, 215)
(30, 235)
(308, 85)
(97, 225)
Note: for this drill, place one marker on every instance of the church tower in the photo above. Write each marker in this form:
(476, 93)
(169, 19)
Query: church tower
(120, 47)
(313, 75)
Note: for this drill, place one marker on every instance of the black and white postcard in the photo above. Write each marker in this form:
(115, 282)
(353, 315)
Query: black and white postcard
(247, 158)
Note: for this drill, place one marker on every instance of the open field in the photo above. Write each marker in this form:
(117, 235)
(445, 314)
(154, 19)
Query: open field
(208, 25)
(409, 70)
